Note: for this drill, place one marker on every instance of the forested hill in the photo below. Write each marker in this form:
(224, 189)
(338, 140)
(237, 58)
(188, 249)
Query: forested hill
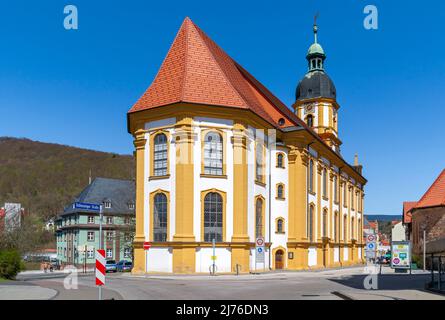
(44, 177)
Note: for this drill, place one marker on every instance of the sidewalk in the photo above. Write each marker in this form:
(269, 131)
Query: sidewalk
(390, 295)
(12, 291)
(250, 276)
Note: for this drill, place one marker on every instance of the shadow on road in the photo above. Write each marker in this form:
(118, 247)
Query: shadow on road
(386, 281)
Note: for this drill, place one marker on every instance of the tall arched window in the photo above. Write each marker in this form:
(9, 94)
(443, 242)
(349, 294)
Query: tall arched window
(310, 120)
(345, 228)
(160, 156)
(325, 223)
(325, 183)
(280, 191)
(336, 227)
(310, 224)
(360, 229)
(280, 226)
(259, 218)
(345, 195)
(213, 217)
(352, 228)
(160, 218)
(259, 161)
(335, 182)
(213, 154)
(280, 160)
(311, 176)
(351, 192)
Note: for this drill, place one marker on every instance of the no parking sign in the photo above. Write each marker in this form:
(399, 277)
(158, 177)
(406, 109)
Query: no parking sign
(259, 250)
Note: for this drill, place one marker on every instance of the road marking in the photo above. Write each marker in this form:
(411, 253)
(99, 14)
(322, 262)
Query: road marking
(341, 295)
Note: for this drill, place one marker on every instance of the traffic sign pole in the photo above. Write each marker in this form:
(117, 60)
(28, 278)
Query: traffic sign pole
(100, 243)
(146, 246)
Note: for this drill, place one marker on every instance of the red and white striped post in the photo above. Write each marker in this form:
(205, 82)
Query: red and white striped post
(100, 270)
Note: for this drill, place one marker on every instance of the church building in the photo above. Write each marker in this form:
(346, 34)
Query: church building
(221, 162)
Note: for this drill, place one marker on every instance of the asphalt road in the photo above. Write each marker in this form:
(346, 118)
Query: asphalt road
(326, 285)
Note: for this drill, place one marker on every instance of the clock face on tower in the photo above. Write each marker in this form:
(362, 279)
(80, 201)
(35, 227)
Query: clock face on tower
(309, 108)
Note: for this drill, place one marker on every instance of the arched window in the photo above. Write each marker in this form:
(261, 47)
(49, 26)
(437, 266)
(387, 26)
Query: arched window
(351, 192)
(259, 218)
(259, 161)
(358, 201)
(310, 224)
(280, 191)
(345, 195)
(325, 223)
(160, 155)
(335, 182)
(213, 154)
(280, 160)
(213, 217)
(345, 227)
(311, 176)
(325, 183)
(310, 120)
(352, 228)
(160, 218)
(336, 227)
(359, 228)
(280, 226)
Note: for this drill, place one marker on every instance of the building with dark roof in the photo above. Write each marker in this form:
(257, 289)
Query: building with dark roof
(220, 158)
(77, 230)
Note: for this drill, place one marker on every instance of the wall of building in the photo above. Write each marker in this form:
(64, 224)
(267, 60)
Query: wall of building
(323, 252)
(433, 220)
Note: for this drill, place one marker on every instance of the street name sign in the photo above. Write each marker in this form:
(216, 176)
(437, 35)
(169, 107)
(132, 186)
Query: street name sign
(87, 206)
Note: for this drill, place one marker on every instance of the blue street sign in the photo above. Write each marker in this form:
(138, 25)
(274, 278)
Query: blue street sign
(371, 245)
(87, 206)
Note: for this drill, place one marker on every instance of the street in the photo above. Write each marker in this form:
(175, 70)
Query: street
(339, 284)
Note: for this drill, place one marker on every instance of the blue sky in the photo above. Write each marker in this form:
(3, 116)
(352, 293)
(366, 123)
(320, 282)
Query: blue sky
(75, 87)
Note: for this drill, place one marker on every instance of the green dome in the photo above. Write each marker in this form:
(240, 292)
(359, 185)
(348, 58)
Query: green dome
(315, 48)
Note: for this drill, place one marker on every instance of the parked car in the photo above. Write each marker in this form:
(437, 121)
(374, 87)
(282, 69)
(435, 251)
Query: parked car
(110, 266)
(124, 265)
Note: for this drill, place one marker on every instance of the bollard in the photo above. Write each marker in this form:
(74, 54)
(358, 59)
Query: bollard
(237, 267)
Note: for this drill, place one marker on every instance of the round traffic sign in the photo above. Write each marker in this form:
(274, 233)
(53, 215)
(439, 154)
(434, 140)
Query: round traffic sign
(147, 245)
(370, 246)
(371, 238)
(260, 242)
(260, 250)
(396, 260)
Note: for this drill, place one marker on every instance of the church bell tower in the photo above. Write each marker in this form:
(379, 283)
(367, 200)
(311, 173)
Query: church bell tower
(316, 102)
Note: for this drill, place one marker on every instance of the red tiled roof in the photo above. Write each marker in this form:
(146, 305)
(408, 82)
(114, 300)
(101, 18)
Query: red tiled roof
(197, 70)
(435, 196)
(407, 206)
(373, 225)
